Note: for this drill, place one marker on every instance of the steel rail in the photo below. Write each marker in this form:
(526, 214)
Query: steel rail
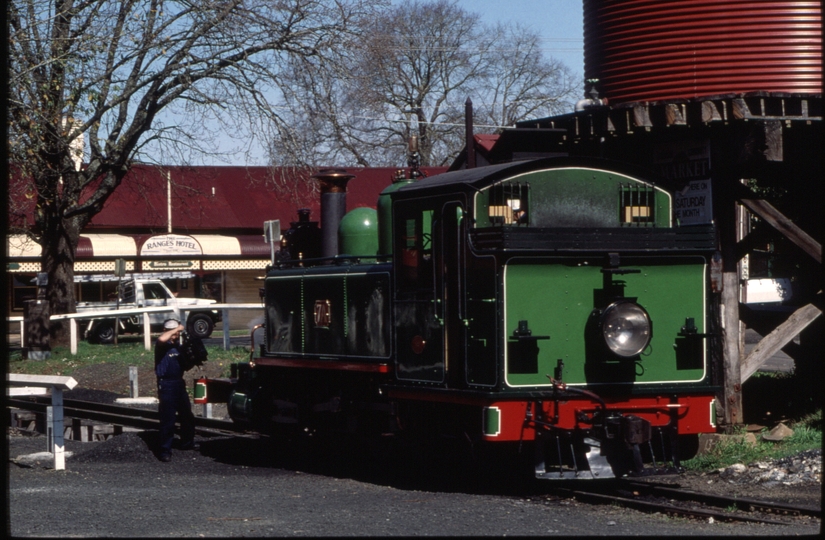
(648, 506)
(722, 501)
(120, 415)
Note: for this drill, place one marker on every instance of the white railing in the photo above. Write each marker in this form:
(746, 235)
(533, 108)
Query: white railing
(225, 317)
(27, 385)
(180, 311)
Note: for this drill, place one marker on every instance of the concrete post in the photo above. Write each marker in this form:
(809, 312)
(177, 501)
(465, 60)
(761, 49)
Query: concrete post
(133, 382)
(54, 429)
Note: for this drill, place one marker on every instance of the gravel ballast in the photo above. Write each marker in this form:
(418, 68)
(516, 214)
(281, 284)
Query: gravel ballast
(238, 486)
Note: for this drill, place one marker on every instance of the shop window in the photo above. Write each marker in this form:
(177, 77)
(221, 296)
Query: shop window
(23, 288)
(96, 291)
(212, 286)
(89, 291)
(172, 285)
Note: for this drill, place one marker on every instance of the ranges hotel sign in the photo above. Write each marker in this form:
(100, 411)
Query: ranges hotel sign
(175, 245)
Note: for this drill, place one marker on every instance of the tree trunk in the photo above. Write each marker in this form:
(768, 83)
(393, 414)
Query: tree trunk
(59, 248)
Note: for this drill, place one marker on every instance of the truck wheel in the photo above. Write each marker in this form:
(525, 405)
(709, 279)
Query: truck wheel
(200, 325)
(103, 333)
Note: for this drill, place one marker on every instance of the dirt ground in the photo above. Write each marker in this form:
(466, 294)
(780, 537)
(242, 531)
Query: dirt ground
(114, 379)
(106, 382)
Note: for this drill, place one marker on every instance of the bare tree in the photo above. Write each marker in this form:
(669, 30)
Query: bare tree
(521, 83)
(123, 75)
(411, 72)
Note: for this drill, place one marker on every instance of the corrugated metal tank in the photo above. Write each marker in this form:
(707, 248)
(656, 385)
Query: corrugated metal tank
(657, 50)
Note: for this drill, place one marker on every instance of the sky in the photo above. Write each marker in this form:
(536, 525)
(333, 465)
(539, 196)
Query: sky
(559, 22)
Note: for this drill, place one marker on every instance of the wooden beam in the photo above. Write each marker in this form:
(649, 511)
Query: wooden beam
(731, 355)
(778, 221)
(28, 391)
(773, 342)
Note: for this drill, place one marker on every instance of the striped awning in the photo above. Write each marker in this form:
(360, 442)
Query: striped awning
(106, 245)
(89, 245)
(19, 246)
(98, 245)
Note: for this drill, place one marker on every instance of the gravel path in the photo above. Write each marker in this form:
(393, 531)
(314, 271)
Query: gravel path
(237, 487)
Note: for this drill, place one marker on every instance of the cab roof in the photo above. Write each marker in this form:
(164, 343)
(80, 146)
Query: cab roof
(478, 178)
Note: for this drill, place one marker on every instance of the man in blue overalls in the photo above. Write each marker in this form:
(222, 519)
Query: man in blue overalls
(172, 392)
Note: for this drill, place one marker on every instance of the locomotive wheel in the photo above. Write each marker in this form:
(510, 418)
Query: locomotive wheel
(200, 325)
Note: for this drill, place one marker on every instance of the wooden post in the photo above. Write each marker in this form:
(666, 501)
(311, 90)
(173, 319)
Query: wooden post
(726, 183)
(77, 427)
(731, 354)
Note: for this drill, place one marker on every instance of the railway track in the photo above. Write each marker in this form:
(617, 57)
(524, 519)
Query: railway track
(644, 496)
(120, 415)
(672, 500)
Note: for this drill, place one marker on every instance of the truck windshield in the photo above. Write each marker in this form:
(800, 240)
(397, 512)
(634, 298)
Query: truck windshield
(154, 291)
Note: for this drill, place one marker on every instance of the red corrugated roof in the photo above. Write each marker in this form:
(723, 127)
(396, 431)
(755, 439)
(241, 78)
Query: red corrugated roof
(227, 198)
(486, 141)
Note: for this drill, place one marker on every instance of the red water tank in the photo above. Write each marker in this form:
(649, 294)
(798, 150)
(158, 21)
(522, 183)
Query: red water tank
(657, 50)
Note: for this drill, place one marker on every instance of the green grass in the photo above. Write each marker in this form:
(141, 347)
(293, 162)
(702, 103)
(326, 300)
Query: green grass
(807, 436)
(126, 353)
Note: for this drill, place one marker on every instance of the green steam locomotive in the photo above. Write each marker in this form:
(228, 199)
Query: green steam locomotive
(552, 306)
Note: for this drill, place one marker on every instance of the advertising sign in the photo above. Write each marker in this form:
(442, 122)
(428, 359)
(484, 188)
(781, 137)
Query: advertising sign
(171, 244)
(166, 265)
(693, 204)
(688, 162)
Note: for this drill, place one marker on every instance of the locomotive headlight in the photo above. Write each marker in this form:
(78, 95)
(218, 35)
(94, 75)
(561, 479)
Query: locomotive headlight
(626, 328)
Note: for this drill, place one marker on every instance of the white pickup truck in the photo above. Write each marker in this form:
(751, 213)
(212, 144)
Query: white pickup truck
(148, 293)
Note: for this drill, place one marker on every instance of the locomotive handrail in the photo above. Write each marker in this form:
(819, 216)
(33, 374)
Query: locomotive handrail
(252, 340)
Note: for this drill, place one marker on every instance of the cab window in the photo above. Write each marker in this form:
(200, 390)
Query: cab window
(509, 204)
(414, 238)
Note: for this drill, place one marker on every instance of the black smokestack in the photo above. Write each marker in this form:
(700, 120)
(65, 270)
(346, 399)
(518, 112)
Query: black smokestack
(468, 134)
(333, 183)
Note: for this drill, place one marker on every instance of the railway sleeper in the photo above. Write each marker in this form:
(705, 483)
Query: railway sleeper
(80, 429)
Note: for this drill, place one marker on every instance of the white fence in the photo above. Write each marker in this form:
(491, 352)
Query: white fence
(180, 311)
